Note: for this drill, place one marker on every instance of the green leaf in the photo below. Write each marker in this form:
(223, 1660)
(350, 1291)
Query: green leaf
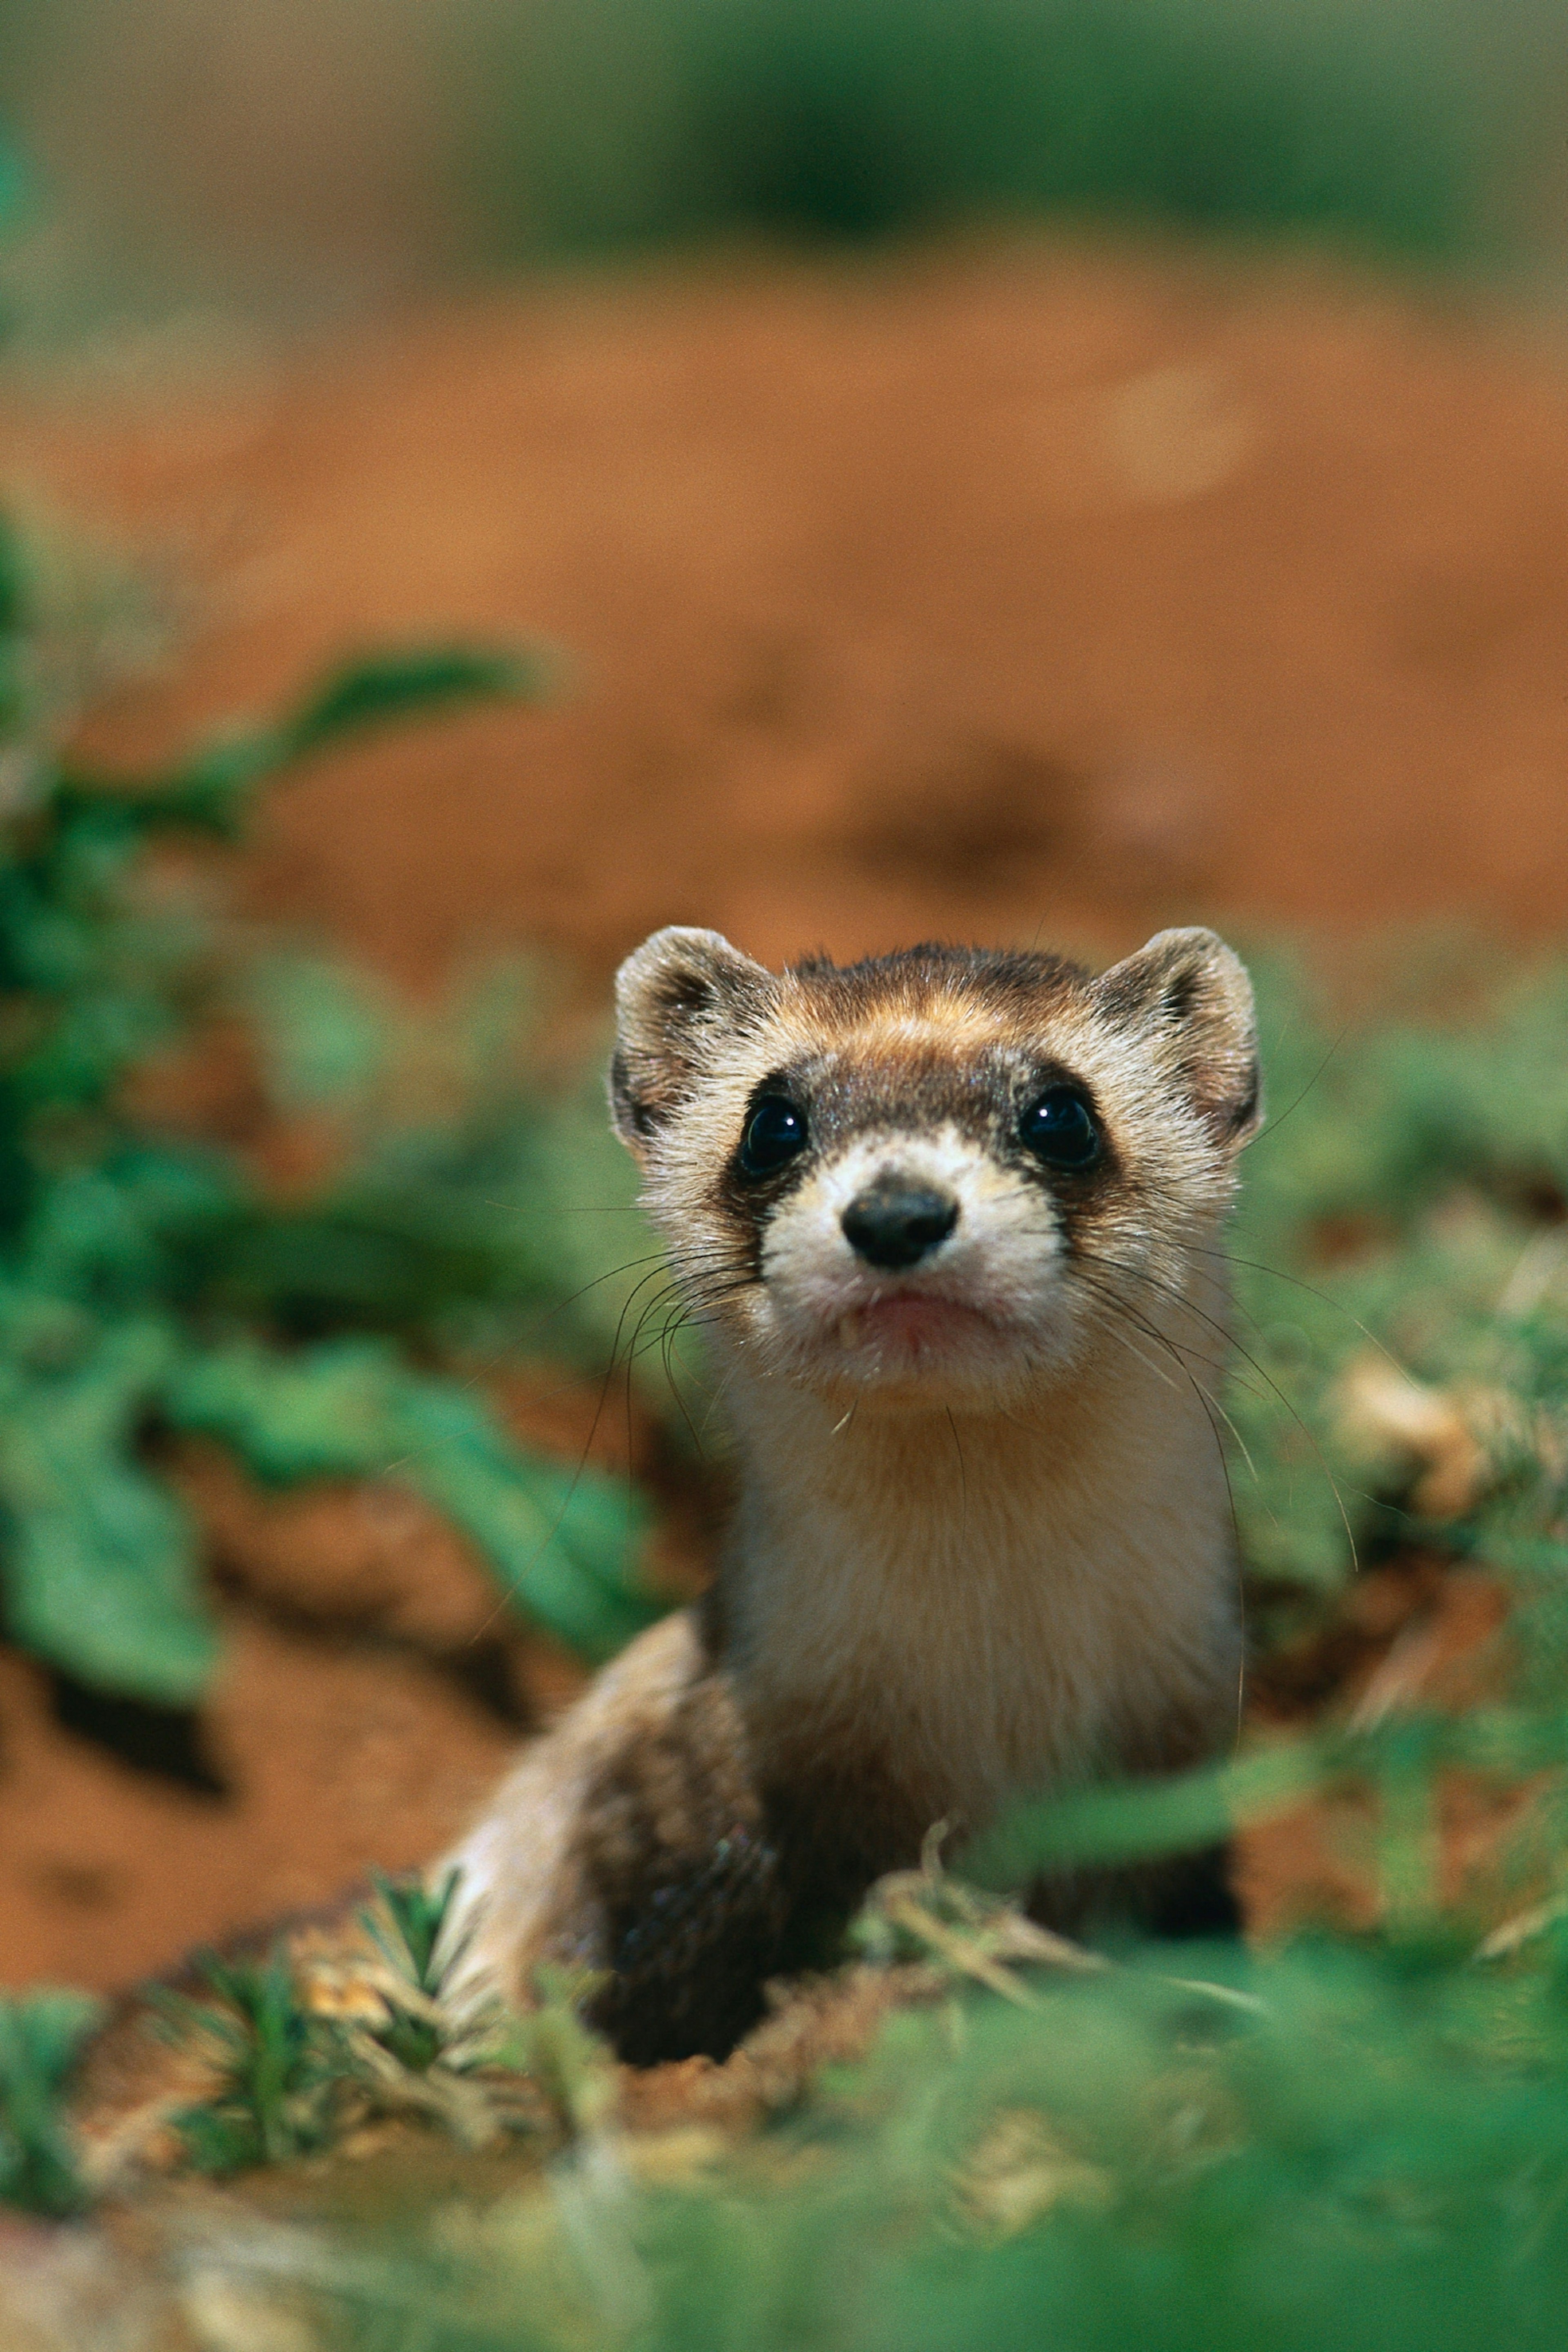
(398, 686)
(41, 2033)
(276, 2060)
(325, 1031)
(1137, 1820)
(327, 1412)
(101, 1562)
(211, 786)
(564, 1545)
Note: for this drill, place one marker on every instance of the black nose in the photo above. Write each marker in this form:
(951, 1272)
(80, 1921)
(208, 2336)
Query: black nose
(893, 1225)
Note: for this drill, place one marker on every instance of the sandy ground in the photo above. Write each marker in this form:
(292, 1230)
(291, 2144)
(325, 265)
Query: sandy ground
(1032, 593)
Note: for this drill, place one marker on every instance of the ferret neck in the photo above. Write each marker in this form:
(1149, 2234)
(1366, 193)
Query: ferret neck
(988, 1600)
(918, 1493)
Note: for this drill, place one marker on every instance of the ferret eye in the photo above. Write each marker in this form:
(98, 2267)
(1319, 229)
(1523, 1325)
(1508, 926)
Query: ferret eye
(1059, 1129)
(775, 1133)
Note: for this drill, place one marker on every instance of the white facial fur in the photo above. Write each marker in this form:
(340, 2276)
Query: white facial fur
(820, 1316)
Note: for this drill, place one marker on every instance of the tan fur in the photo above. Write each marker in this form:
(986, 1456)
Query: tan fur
(983, 1541)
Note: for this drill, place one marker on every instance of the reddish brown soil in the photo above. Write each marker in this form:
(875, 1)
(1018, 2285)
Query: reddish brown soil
(1036, 592)
(110, 1871)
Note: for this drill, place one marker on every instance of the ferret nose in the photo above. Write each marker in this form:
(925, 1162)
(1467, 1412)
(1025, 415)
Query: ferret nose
(893, 1223)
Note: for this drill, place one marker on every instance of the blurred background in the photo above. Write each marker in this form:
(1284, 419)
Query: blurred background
(1032, 470)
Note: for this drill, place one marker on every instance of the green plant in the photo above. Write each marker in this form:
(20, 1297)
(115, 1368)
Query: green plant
(147, 1282)
(478, 2069)
(277, 2063)
(304, 2048)
(406, 1929)
(41, 2033)
(300, 2054)
(626, 120)
(1334, 2145)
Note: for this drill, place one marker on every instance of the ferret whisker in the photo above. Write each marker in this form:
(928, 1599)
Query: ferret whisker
(1179, 1349)
(666, 1302)
(1241, 1441)
(718, 1391)
(1138, 1274)
(1158, 1371)
(1186, 1305)
(963, 1475)
(1210, 1405)
(1272, 1126)
(1151, 1331)
(605, 1384)
(672, 1327)
(1179, 1353)
(1323, 1298)
(651, 1257)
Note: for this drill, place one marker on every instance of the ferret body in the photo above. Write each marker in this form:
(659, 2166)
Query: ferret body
(952, 1221)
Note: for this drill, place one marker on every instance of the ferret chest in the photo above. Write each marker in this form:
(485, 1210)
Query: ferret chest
(966, 1618)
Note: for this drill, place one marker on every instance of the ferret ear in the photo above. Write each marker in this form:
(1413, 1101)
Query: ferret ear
(1191, 993)
(678, 993)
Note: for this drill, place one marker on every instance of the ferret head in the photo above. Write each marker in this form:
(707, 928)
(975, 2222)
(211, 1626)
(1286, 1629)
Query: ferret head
(931, 1178)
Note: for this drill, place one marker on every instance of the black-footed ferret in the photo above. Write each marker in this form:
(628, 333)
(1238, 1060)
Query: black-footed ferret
(952, 1220)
